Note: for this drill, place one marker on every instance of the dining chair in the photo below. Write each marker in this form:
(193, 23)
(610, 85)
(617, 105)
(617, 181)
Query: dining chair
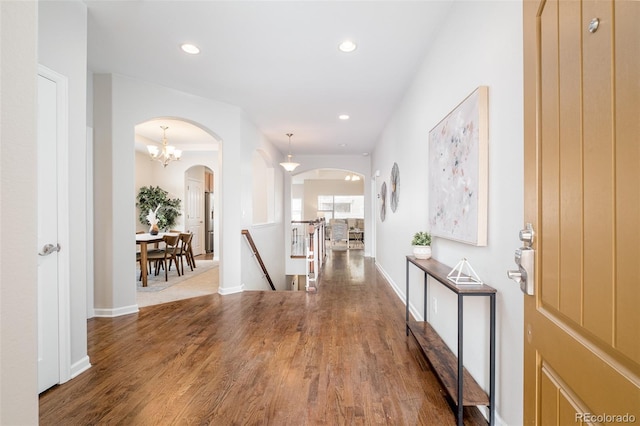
(185, 252)
(166, 256)
(192, 260)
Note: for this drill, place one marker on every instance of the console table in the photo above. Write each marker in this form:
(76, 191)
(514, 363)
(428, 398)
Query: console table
(461, 387)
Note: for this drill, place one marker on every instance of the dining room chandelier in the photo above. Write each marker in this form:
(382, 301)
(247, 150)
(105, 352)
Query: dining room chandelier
(167, 154)
(289, 165)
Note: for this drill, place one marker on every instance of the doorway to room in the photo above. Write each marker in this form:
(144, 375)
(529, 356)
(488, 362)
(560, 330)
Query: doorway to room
(338, 197)
(189, 179)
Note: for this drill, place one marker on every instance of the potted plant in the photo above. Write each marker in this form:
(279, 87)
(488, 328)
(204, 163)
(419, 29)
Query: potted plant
(154, 204)
(421, 243)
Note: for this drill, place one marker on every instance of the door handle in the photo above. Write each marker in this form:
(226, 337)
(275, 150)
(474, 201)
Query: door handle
(49, 249)
(525, 259)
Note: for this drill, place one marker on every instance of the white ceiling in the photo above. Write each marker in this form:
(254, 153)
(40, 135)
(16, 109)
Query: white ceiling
(278, 60)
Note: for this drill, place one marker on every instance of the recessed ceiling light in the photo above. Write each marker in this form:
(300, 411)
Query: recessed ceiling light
(343, 116)
(342, 145)
(190, 48)
(347, 46)
(365, 154)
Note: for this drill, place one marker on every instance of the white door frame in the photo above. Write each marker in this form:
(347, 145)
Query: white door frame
(62, 137)
(199, 211)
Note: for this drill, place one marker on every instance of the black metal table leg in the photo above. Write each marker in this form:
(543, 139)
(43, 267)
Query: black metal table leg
(492, 361)
(407, 301)
(460, 362)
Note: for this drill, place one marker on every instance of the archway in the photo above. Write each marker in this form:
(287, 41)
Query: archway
(336, 195)
(199, 152)
(189, 179)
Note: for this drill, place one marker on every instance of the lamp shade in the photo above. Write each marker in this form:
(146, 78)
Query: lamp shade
(289, 165)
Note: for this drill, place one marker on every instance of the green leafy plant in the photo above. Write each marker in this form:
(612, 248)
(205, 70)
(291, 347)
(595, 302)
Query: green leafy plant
(421, 238)
(156, 199)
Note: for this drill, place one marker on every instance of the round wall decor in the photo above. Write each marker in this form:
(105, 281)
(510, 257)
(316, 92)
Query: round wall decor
(395, 187)
(383, 198)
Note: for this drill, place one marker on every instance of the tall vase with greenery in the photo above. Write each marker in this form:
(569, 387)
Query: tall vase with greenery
(156, 199)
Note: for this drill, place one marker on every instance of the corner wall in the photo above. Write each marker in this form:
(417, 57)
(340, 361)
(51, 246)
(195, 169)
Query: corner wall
(479, 43)
(62, 46)
(18, 189)
(268, 237)
(119, 104)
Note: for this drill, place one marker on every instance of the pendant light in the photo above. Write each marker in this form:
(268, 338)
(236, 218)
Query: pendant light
(167, 154)
(289, 165)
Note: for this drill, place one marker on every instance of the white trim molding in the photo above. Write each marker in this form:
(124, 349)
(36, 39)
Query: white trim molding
(231, 290)
(64, 260)
(80, 367)
(117, 312)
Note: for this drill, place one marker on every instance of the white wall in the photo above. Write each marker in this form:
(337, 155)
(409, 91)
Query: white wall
(18, 185)
(315, 187)
(261, 189)
(144, 176)
(480, 43)
(269, 238)
(62, 46)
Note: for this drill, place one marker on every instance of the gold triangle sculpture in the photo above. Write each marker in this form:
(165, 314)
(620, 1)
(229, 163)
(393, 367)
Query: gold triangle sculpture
(463, 274)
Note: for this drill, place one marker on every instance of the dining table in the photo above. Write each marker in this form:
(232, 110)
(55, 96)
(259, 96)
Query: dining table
(143, 240)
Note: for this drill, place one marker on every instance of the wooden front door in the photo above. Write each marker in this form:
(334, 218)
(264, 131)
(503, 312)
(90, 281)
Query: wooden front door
(582, 194)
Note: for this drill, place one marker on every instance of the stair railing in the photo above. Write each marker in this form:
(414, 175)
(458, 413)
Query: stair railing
(314, 253)
(256, 255)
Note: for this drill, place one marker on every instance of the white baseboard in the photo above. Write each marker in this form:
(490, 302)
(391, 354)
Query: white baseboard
(390, 281)
(115, 312)
(415, 312)
(80, 367)
(230, 290)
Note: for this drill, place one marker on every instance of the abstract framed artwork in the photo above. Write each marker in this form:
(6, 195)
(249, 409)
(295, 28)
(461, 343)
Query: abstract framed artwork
(458, 172)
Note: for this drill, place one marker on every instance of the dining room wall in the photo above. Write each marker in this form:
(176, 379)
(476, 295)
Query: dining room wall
(172, 179)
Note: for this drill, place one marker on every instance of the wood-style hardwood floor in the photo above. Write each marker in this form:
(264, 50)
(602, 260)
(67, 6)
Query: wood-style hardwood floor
(336, 357)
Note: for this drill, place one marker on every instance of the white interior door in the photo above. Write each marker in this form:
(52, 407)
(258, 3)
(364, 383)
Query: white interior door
(48, 314)
(195, 214)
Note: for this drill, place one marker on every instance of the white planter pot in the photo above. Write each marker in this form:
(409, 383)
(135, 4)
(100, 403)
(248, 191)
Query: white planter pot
(422, 252)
